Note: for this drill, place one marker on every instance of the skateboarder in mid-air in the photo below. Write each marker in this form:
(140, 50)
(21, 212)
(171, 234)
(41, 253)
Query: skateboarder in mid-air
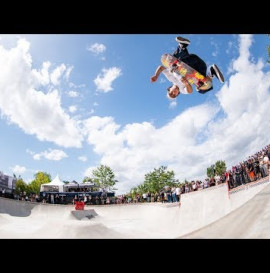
(180, 84)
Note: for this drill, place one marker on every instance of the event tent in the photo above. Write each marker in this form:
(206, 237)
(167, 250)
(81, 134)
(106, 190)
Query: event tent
(55, 184)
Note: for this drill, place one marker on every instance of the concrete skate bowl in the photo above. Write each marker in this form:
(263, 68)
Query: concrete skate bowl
(249, 221)
(199, 210)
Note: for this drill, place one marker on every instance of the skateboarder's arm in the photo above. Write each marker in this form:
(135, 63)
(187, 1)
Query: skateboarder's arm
(188, 86)
(157, 73)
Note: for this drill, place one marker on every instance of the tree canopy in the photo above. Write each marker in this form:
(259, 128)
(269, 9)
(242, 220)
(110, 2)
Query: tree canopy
(211, 171)
(20, 186)
(220, 167)
(155, 181)
(40, 178)
(104, 177)
(216, 169)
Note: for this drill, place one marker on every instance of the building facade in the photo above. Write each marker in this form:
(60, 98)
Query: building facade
(7, 183)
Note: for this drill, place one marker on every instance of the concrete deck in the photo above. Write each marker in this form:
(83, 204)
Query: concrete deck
(209, 213)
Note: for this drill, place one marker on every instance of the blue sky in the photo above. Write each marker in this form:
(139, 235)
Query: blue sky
(69, 103)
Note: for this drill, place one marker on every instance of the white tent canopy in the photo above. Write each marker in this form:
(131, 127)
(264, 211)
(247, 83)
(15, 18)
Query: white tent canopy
(56, 183)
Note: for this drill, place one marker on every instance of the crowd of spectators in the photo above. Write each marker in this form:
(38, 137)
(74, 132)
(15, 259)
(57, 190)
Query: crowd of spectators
(253, 168)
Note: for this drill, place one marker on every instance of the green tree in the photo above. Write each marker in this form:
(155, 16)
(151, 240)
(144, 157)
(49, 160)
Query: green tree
(88, 179)
(91, 180)
(216, 169)
(211, 171)
(142, 189)
(157, 179)
(20, 186)
(40, 178)
(104, 177)
(220, 167)
(133, 192)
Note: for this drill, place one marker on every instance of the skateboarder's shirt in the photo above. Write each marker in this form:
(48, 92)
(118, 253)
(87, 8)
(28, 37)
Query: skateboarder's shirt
(175, 79)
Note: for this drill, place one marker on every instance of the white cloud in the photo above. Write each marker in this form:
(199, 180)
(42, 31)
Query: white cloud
(51, 154)
(232, 127)
(230, 44)
(138, 148)
(73, 94)
(23, 104)
(242, 63)
(216, 50)
(72, 108)
(57, 73)
(18, 169)
(97, 48)
(68, 72)
(82, 158)
(30, 152)
(104, 81)
(42, 76)
(173, 104)
(88, 171)
(73, 85)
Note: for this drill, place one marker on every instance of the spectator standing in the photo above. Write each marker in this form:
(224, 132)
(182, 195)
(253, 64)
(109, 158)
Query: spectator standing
(231, 181)
(217, 179)
(177, 193)
(37, 198)
(212, 182)
(242, 176)
(206, 183)
(266, 164)
(183, 188)
(162, 195)
(257, 171)
(250, 168)
(198, 184)
(237, 176)
(173, 194)
(169, 195)
(148, 197)
(187, 188)
(57, 199)
(144, 197)
(246, 175)
(194, 186)
(52, 198)
(223, 178)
